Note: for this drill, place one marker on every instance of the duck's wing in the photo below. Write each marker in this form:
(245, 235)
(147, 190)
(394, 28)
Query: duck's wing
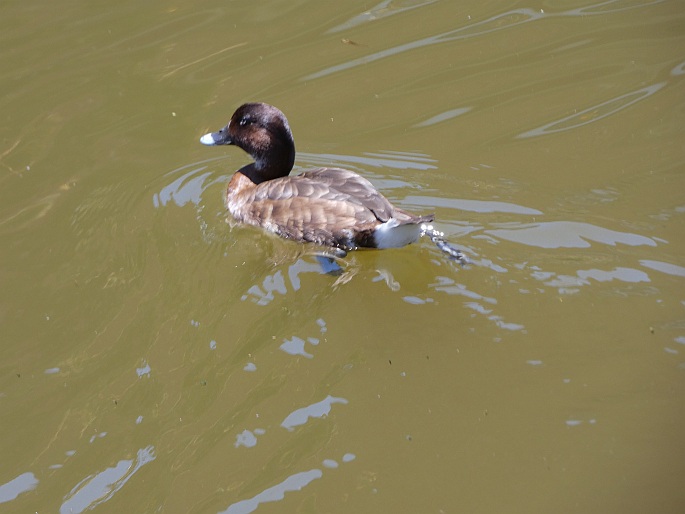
(331, 187)
(310, 211)
(326, 206)
(357, 189)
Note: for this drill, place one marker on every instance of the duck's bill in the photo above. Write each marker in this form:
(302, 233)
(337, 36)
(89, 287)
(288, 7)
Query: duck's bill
(216, 138)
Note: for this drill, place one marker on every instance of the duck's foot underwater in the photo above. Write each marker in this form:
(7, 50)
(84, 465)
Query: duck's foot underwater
(438, 238)
(329, 259)
(329, 265)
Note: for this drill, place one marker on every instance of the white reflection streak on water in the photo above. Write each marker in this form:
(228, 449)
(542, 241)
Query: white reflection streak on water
(486, 206)
(678, 70)
(496, 23)
(248, 438)
(377, 12)
(620, 273)
(275, 283)
(566, 234)
(188, 187)
(21, 484)
(450, 287)
(293, 483)
(264, 294)
(594, 113)
(571, 284)
(664, 267)
(294, 271)
(296, 346)
(444, 116)
(99, 488)
(316, 410)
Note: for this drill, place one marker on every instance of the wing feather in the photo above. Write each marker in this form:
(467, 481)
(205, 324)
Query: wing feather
(327, 206)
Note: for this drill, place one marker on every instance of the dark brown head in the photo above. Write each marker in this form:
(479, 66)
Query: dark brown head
(263, 132)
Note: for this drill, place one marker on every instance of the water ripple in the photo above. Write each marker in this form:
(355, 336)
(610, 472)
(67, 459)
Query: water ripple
(395, 160)
(378, 12)
(495, 23)
(96, 489)
(443, 116)
(471, 205)
(594, 113)
(567, 234)
(187, 188)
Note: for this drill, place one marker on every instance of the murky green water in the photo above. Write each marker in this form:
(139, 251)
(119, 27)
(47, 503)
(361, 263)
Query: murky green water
(156, 359)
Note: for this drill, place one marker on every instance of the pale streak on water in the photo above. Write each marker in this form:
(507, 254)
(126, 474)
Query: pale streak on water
(503, 21)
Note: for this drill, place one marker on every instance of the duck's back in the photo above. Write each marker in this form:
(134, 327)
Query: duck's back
(326, 206)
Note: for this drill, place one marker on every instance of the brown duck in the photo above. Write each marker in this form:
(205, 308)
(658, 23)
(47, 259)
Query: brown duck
(331, 207)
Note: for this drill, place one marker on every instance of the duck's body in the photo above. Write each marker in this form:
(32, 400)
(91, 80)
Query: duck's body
(327, 206)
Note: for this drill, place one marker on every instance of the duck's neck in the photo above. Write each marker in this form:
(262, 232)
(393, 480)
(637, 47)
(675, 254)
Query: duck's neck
(276, 162)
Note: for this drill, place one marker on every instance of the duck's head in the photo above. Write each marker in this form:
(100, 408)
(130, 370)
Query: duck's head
(262, 131)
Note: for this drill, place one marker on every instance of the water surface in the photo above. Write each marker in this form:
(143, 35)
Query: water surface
(157, 359)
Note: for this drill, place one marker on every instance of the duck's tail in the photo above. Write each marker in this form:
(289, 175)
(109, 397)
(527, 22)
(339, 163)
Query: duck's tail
(438, 239)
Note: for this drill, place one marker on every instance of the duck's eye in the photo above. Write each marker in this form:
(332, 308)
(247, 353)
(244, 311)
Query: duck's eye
(244, 121)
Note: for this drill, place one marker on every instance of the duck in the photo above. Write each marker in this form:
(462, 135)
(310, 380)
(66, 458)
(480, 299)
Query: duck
(330, 207)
